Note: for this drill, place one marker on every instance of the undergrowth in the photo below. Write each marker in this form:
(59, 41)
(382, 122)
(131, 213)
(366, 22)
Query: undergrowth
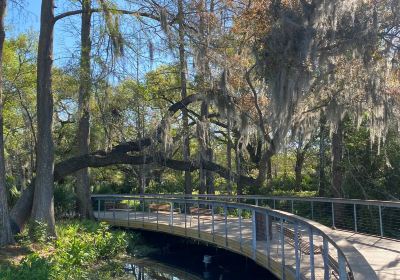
(82, 250)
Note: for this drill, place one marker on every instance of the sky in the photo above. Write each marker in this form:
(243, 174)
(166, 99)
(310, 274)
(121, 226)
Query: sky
(26, 18)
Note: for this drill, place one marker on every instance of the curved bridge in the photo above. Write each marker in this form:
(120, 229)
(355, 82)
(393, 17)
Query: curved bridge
(290, 246)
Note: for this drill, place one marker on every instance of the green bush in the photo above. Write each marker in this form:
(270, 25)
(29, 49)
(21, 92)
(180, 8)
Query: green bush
(64, 200)
(32, 267)
(80, 246)
(38, 231)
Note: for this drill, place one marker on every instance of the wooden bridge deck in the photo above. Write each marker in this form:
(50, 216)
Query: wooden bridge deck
(382, 254)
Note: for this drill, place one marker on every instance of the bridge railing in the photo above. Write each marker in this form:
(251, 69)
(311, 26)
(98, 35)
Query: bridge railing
(285, 243)
(380, 218)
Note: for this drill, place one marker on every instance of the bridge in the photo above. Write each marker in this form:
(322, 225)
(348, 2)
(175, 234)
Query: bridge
(294, 238)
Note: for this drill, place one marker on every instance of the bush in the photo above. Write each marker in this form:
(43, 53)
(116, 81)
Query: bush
(32, 267)
(81, 245)
(64, 200)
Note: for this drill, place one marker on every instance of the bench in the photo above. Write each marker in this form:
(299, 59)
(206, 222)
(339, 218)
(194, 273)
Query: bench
(304, 245)
(164, 208)
(118, 206)
(203, 214)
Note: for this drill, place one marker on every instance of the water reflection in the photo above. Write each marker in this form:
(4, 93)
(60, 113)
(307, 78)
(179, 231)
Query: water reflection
(145, 269)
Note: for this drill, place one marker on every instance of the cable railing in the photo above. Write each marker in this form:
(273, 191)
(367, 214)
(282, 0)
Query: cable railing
(288, 245)
(379, 218)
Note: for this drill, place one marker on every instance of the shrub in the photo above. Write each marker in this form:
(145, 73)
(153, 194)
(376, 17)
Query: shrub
(32, 267)
(81, 245)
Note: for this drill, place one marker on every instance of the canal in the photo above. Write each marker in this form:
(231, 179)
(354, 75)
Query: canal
(158, 256)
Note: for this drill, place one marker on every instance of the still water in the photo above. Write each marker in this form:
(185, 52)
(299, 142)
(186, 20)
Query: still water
(157, 256)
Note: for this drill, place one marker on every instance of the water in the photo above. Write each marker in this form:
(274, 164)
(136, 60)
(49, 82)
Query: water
(157, 256)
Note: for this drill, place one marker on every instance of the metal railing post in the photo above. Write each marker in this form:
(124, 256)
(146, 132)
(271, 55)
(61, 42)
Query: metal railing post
(292, 206)
(212, 222)
(128, 212)
(333, 215)
(355, 216)
(142, 212)
(326, 258)
(134, 209)
(380, 220)
(114, 210)
(172, 216)
(157, 204)
(226, 225)
(98, 208)
(254, 234)
(185, 218)
(296, 249)
(240, 229)
(311, 240)
(342, 266)
(282, 237)
(268, 237)
(198, 219)
(312, 210)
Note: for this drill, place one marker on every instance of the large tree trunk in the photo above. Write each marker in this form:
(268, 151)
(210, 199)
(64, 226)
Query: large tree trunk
(206, 153)
(6, 236)
(300, 156)
(43, 204)
(337, 154)
(183, 75)
(83, 134)
(264, 166)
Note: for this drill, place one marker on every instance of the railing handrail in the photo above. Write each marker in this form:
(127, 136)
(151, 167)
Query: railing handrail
(384, 203)
(355, 261)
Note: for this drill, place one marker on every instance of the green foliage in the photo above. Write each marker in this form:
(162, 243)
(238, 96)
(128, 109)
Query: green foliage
(64, 200)
(80, 246)
(32, 267)
(38, 231)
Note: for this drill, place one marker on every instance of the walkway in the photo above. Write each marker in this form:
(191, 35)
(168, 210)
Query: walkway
(246, 233)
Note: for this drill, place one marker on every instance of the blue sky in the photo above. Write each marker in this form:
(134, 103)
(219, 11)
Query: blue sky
(26, 18)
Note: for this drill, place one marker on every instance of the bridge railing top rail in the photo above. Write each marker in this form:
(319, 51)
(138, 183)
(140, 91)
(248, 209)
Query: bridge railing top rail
(395, 204)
